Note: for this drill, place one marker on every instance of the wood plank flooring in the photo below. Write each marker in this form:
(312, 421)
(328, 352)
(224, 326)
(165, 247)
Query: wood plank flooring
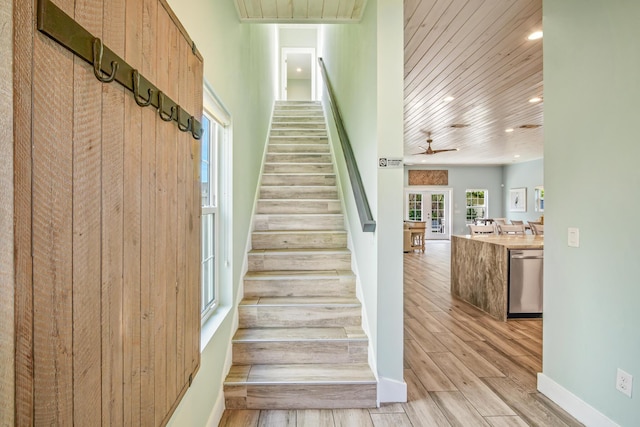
(462, 367)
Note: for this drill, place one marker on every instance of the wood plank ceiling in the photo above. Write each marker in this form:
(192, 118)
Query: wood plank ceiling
(300, 10)
(475, 51)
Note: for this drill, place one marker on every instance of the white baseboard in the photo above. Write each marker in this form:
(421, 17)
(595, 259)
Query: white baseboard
(216, 411)
(571, 403)
(391, 391)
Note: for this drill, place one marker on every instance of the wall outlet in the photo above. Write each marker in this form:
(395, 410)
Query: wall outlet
(624, 382)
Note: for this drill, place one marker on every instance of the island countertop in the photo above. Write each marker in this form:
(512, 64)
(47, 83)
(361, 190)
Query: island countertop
(527, 241)
(480, 267)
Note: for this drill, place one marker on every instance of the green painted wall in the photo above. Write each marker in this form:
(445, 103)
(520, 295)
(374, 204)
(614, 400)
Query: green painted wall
(364, 63)
(592, 293)
(239, 64)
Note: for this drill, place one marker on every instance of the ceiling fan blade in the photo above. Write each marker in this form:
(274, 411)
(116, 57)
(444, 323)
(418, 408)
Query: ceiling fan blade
(446, 149)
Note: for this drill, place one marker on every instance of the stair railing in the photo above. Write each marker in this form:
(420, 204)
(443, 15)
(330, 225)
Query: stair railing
(364, 211)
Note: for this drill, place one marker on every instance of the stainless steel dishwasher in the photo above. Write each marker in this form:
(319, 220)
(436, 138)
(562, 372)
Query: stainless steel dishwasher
(525, 283)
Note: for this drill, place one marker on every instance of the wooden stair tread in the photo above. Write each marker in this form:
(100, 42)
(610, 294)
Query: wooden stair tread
(301, 275)
(301, 301)
(271, 232)
(300, 187)
(298, 201)
(347, 373)
(295, 174)
(354, 333)
(284, 252)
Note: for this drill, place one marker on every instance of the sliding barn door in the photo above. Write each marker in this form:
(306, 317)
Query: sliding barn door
(107, 221)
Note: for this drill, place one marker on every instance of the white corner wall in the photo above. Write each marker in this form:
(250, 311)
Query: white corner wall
(365, 65)
(591, 152)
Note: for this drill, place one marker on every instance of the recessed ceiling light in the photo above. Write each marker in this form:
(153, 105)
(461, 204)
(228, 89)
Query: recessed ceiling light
(299, 69)
(509, 130)
(516, 156)
(535, 35)
(424, 161)
(535, 100)
(448, 99)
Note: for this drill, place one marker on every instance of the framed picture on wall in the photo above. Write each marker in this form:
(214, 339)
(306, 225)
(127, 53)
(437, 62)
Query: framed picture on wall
(518, 200)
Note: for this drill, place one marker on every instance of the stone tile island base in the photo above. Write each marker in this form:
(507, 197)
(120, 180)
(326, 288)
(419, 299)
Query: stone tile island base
(480, 269)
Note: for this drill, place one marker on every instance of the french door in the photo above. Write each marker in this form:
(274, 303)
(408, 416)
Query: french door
(432, 207)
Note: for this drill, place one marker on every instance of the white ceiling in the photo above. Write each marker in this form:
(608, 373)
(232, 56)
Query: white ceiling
(299, 61)
(476, 51)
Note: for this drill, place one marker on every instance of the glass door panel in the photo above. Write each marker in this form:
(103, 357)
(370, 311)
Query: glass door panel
(437, 216)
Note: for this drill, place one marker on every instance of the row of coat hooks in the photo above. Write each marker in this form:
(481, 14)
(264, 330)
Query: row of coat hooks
(109, 67)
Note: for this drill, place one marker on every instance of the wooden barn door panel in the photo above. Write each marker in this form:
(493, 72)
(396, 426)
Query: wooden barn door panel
(107, 201)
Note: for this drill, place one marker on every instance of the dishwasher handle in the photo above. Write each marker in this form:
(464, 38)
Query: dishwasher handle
(526, 257)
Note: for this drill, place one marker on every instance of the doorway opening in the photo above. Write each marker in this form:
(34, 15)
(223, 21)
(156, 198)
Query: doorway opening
(433, 208)
(298, 74)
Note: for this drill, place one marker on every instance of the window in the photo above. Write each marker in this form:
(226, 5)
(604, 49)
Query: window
(476, 205)
(415, 207)
(208, 176)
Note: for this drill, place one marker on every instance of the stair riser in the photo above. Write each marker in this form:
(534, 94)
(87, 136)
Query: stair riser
(301, 396)
(298, 140)
(276, 206)
(265, 316)
(344, 351)
(297, 105)
(298, 222)
(299, 158)
(299, 148)
(299, 240)
(312, 118)
(298, 168)
(298, 132)
(299, 179)
(299, 192)
(299, 124)
(299, 288)
(297, 108)
(267, 261)
(288, 114)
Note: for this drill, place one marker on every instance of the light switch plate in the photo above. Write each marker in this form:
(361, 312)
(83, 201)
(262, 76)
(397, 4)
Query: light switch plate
(574, 237)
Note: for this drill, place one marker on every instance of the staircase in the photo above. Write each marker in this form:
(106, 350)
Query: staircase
(300, 343)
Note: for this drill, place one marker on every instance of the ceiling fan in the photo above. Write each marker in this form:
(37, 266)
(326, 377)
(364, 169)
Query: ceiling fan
(429, 150)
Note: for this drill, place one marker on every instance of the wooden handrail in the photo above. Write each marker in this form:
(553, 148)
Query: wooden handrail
(364, 211)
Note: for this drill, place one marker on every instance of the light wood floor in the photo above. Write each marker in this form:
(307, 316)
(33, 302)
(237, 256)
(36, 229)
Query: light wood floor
(462, 368)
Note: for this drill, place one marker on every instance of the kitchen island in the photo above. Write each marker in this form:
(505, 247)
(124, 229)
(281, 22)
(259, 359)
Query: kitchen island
(480, 269)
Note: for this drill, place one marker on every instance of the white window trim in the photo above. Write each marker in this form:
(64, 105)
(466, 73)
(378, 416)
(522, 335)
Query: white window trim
(486, 202)
(224, 217)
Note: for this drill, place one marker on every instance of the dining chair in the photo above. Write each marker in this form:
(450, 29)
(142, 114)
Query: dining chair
(516, 222)
(500, 220)
(510, 229)
(537, 229)
(481, 229)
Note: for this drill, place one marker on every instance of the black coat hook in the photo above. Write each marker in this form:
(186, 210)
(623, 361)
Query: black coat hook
(136, 90)
(97, 63)
(196, 132)
(183, 128)
(163, 115)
